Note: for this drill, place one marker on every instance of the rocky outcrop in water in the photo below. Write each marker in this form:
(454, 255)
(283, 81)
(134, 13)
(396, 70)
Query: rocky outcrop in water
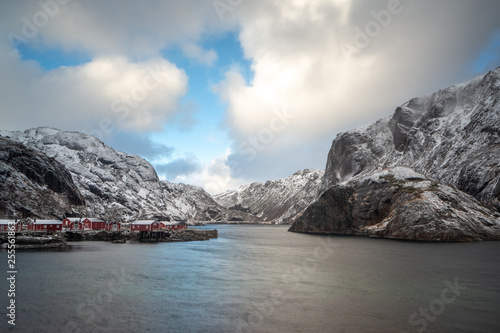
(450, 138)
(399, 203)
(33, 184)
(278, 201)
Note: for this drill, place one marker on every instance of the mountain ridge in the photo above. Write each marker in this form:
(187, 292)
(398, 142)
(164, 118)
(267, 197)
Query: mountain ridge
(452, 135)
(116, 185)
(276, 201)
(450, 139)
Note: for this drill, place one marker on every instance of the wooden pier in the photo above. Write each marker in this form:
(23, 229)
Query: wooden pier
(153, 236)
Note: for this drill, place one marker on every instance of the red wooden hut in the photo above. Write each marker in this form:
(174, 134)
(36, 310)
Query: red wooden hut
(73, 223)
(148, 225)
(94, 224)
(113, 226)
(45, 225)
(13, 224)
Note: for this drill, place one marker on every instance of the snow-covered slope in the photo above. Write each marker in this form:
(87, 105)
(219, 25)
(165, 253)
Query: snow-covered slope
(118, 185)
(112, 182)
(279, 201)
(452, 136)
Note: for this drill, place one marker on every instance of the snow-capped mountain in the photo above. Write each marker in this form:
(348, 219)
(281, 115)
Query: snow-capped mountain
(452, 136)
(417, 174)
(279, 201)
(119, 185)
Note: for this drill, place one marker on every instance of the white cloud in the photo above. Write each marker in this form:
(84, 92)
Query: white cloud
(106, 93)
(214, 176)
(113, 27)
(194, 51)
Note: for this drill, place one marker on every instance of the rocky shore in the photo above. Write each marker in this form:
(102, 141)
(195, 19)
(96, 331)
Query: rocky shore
(28, 242)
(189, 235)
(177, 236)
(33, 241)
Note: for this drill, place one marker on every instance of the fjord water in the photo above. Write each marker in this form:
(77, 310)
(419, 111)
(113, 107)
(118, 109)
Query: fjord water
(259, 279)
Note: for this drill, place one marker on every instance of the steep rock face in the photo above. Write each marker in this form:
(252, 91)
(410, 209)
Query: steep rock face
(399, 203)
(33, 184)
(114, 184)
(117, 185)
(279, 201)
(452, 136)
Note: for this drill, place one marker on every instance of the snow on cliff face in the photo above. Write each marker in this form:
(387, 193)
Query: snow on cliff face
(399, 203)
(122, 186)
(119, 185)
(452, 136)
(279, 201)
(114, 184)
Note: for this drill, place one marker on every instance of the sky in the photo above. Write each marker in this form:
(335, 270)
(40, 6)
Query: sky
(227, 92)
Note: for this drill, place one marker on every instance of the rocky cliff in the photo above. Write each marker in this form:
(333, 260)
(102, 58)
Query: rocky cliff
(399, 203)
(116, 185)
(33, 184)
(452, 136)
(278, 201)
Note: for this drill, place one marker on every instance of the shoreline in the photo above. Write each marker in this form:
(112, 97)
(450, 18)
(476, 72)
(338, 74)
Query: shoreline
(33, 241)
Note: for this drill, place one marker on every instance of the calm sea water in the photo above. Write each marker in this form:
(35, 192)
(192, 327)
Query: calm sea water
(259, 279)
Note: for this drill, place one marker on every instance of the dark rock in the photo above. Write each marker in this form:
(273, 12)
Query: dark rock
(400, 204)
(33, 184)
(34, 241)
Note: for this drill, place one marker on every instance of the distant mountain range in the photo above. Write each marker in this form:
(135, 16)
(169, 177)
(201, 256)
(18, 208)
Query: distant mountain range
(277, 201)
(451, 138)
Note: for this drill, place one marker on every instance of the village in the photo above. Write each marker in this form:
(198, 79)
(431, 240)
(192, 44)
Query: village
(82, 224)
(36, 233)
